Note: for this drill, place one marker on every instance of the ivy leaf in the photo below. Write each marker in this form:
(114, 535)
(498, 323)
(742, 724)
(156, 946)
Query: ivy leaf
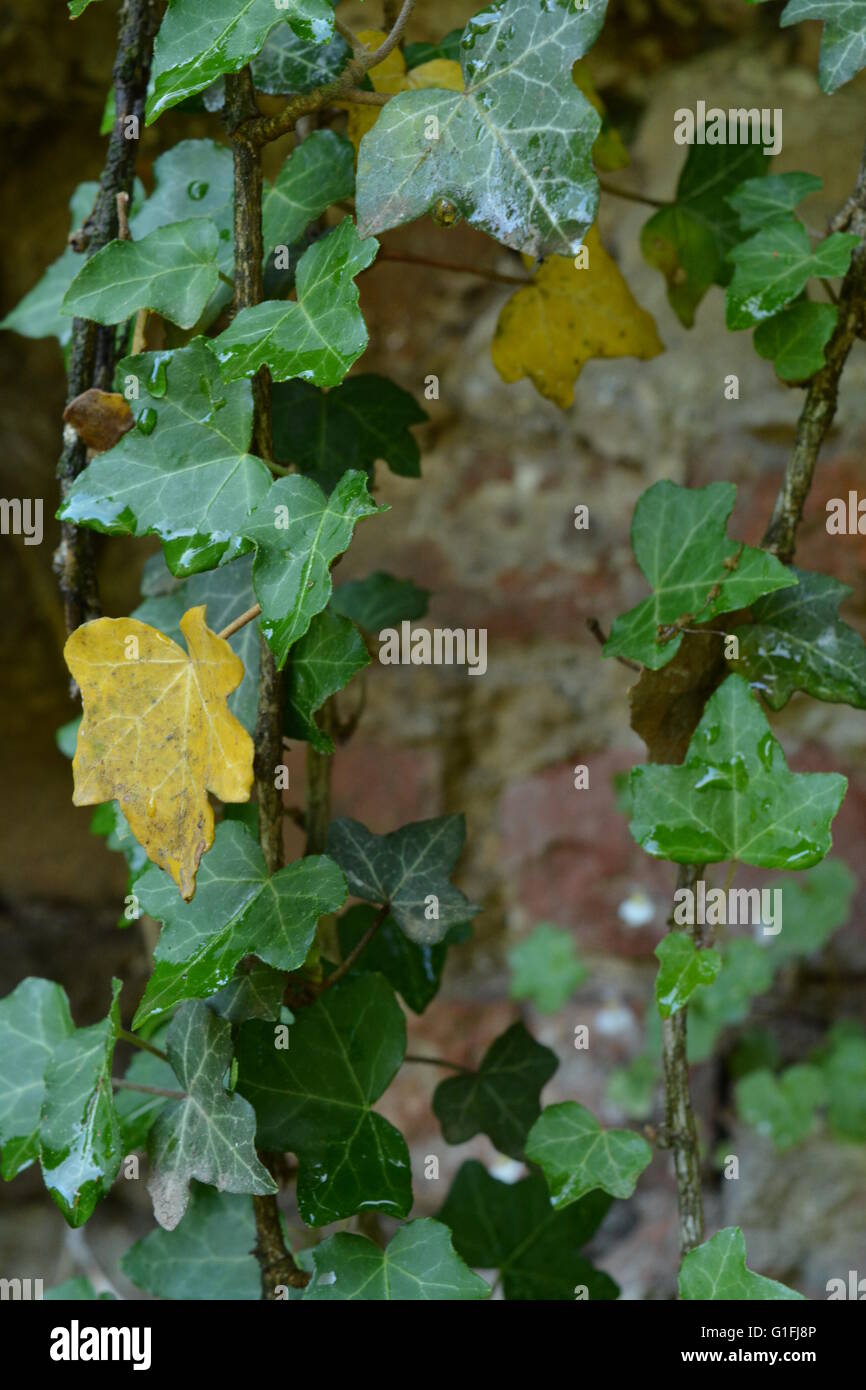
(365, 419)
(380, 601)
(419, 1264)
(184, 474)
(195, 178)
(38, 314)
(408, 869)
(757, 201)
(843, 42)
(391, 76)
(577, 1156)
(210, 1135)
(157, 734)
(298, 532)
(199, 40)
(288, 64)
(34, 1019)
(794, 339)
(682, 969)
(225, 592)
(253, 993)
(172, 271)
(137, 1110)
(632, 1088)
(323, 662)
(717, 1270)
(513, 153)
(317, 337)
(319, 172)
(804, 645)
(566, 317)
(690, 240)
(774, 266)
(77, 7)
(843, 1062)
(314, 1099)
(238, 910)
(501, 1099)
(512, 1227)
(449, 48)
(696, 571)
(734, 798)
(783, 1107)
(747, 971)
(207, 1256)
(414, 971)
(79, 1136)
(545, 968)
(815, 905)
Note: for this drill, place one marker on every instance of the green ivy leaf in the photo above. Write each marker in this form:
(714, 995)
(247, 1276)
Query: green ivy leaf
(207, 1256)
(238, 910)
(79, 1136)
(415, 971)
(690, 240)
(108, 820)
(717, 1270)
(38, 314)
(380, 601)
(577, 1156)
(137, 1110)
(76, 8)
(733, 797)
(323, 662)
(843, 1063)
(210, 1135)
(408, 869)
(365, 419)
(172, 271)
(253, 993)
(419, 1264)
(184, 473)
(803, 644)
(632, 1088)
(314, 1099)
(682, 969)
(814, 906)
(757, 201)
(774, 266)
(319, 335)
(195, 178)
(501, 1099)
(199, 40)
(747, 971)
(288, 64)
(843, 42)
(34, 1019)
(298, 532)
(449, 48)
(512, 1227)
(513, 151)
(794, 339)
(782, 1108)
(545, 968)
(319, 172)
(679, 541)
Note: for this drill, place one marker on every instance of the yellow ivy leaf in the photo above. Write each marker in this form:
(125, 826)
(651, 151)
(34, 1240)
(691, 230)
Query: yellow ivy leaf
(391, 77)
(608, 152)
(157, 733)
(564, 318)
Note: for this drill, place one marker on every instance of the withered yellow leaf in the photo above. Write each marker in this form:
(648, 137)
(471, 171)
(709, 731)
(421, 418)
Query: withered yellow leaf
(100, 418)
(565, 317)
(157, 733)
(390, 77)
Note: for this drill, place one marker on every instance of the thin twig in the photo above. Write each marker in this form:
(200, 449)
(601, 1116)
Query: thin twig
(140, 1042)
(597, 631)
(381, 53)
(633, 197)
(348, 34)
(123, 232)
(120, 1085)
(360, 97)
(238, 623)
(356, 951)
(404, 258)
(436, 1062)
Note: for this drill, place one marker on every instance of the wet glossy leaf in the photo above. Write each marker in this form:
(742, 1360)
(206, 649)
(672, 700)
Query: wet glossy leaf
(781, 1107)
(501, 1099)
(184, 474)
(34, 1018)
(199, 40)
(734, 797)
(797, 641)
(211, 1134)
(314, 1099)
(795, 339)
(774, 266)
(696, 571)
(319, 335)
(365, 419)
(415, 971)
(419, 1264)
(172, 271)
(319, 172)
(157, 734)
(512, 1227)
(577, 1156)
(323, 662)
(207, 1256)
(298, 532)
(757, 201)
(682, 969)
(689, 241)
(409, 869)
(289, 64)
(38, 315)
(391, 76)
(380, 601)
(717, 1270)
(80, 1146)
(545, 968)
(238, 910)
(256, 992)
(566, 317)
(843, 42)
(512, 153)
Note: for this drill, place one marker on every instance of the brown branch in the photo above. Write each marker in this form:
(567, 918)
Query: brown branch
(405, 258)
(136, 1041)
(436, 1062)
(318, 816)
(598, 633)
(237, 623)
(633, 197)
(680, 1128)
(356, 951)
(120, 1085)
(360, 97)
